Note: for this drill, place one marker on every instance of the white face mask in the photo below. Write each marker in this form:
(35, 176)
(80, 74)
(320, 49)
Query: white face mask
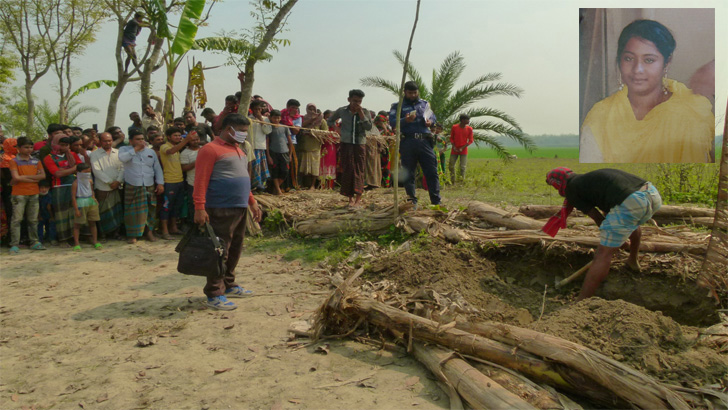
(239, 136)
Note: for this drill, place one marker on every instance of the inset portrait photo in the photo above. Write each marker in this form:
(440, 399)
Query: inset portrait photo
(647, 85)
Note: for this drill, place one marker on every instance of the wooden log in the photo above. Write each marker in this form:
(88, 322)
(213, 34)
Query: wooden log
(434, 228)
(624, 381)
(499, 217)
(526, 237)
(665, 211)
(570, 366)
(423, 329)
(543, 211)
(480, 391)
(519, 385)
(704, 221)
(338, 226)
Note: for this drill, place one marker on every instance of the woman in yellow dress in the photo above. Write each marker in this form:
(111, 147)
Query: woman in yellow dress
(651, 118)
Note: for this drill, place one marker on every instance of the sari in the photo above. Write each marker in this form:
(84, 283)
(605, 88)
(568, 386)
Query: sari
(681, 129)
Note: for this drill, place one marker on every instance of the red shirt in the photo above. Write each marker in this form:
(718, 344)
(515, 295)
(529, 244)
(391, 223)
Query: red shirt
(461, 137)
(40, 144)
(62, 163)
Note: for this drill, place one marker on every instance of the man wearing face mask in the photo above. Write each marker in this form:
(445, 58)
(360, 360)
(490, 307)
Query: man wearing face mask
(417, 145)
(222, 197)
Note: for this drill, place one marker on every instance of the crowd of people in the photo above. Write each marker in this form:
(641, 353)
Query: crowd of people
(154, 179)
(80, 182)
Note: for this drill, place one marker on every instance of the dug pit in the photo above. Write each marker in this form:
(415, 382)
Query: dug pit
(666, 283)
(648, 320)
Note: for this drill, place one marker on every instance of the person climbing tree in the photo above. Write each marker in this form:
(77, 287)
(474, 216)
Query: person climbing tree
(128, 42)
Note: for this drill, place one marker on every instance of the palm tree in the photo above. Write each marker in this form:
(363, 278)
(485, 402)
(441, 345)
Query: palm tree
(448, 103)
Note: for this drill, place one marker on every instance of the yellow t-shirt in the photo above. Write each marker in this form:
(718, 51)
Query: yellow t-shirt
(170, 164)
(681, 129)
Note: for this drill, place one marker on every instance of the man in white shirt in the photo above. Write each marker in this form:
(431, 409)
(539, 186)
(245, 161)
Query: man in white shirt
(108, 175)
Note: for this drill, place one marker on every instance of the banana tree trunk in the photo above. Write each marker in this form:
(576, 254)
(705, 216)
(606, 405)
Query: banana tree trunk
(168, 110)
(30, 118)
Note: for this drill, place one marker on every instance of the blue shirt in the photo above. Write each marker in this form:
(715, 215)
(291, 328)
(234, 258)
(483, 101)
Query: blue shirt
(141, 168)
(418, 126)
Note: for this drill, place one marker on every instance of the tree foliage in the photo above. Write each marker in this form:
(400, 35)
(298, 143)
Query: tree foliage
(232, 45)
(15, 107)
(448, 102)
(44, 34)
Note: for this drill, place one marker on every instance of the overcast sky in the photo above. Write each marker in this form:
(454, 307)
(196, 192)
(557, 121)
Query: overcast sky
(335, 43)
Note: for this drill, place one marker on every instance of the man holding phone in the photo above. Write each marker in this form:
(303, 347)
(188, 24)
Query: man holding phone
(418, 143)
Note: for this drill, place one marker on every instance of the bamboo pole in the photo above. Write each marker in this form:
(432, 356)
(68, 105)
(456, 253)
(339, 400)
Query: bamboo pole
(500, 217)
(625, 382)
(713, 272)
(568, 365)
(395, 174)
(665, 211)
(461, 341)
(479, 390)
(533, 393)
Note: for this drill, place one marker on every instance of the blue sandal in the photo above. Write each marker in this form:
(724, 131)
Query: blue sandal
(38, 247)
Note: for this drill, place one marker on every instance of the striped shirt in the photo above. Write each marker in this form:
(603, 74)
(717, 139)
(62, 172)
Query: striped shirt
(24, 168)
(221, 177)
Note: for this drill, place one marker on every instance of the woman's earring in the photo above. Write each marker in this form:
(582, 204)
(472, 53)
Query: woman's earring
(621, 86)
(664, 83)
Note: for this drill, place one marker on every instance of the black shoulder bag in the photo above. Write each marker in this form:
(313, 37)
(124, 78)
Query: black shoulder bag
(201, 252)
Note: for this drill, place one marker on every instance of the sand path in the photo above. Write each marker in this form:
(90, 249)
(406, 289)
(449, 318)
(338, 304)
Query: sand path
(70, 323)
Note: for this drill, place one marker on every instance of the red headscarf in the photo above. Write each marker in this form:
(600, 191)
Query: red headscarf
(557, 178)
(287, 118)
(10, 150)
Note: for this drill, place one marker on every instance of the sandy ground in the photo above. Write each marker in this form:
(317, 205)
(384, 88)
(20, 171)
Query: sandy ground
(70, 324)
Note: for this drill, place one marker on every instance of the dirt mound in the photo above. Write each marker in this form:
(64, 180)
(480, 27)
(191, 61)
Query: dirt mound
(507, 286)
(646, 340)
(445, 267)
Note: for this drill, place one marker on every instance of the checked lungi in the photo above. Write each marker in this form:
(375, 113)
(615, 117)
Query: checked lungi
(140, 209)
(63, 211)
(260, 169)
(110, 210)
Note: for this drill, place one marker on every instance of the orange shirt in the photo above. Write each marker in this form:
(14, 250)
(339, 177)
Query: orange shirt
(23, 167)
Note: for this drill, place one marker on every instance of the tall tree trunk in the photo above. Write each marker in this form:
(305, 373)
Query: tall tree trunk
(151, 65)
(113, 102)
(270, 32)
(30, 118)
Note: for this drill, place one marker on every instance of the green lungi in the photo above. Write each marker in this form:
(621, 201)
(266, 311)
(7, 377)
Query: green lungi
(140, 209)
(110, 210)
(63, 211)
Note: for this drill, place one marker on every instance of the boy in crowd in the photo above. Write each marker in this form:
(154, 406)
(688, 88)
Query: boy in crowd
(46, 224)
(131, 30)
(187, 159)
(204, 131)
(85, 207)
(26, 173)
(278, 147)
(258, 132)
(61, 164)
(173, 181)
(179, 123)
